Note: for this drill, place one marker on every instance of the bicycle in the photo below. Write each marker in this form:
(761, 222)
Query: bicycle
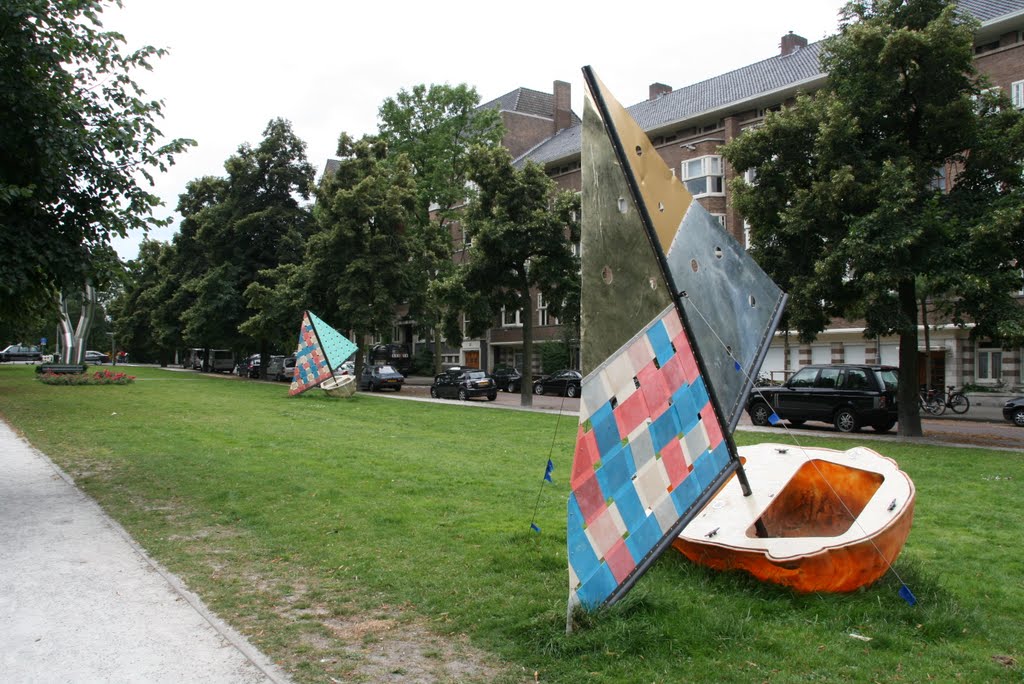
(957, 401)
(931, 402)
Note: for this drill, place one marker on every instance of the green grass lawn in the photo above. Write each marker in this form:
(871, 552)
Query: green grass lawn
(332, 531)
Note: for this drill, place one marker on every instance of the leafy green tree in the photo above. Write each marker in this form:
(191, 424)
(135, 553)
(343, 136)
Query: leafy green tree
(277, 297)
(132, 310)
(77, 143)
(358, 261)
(521, 228)
(848, 213)
(249, 222)
(435, 127)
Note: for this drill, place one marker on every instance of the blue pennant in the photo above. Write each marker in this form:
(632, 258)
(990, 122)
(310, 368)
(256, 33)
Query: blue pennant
(908, 595)
(774, 419)
(547, 471)
(533, 526)
(736, 364)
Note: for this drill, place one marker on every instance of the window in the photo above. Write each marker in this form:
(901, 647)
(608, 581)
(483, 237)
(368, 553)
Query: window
(989, 363)
(542, 312)
(827, 378)
(510, 319)
(467, 238)
(1017, 94)
(703, 176)
(721, 219)
(746, 234)
(939, 179)
(804, 378)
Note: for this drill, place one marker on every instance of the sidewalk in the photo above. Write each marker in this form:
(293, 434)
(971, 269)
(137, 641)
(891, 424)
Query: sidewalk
(81, 602)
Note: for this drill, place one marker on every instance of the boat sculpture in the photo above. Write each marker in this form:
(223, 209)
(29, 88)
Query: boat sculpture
(320, 353)
(676, 318)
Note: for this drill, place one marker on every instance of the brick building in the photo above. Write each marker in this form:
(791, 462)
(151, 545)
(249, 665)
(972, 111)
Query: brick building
(688, 125)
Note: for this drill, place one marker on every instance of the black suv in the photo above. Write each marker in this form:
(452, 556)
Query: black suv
(848, 396)
(463, 383)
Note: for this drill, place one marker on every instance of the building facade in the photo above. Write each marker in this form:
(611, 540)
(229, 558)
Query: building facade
(688, 126)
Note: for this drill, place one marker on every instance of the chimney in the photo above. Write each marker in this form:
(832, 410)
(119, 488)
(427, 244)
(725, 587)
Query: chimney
(791, 43)
(563, 105)
(657, 90)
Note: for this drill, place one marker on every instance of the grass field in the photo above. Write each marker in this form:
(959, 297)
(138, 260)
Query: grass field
(381, 540)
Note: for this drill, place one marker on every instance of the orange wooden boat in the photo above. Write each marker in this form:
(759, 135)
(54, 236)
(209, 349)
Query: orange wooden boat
(832, 521)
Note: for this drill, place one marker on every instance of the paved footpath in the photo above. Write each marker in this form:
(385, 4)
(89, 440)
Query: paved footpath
(80, 601)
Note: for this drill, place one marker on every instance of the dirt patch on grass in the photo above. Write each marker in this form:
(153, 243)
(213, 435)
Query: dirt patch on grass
(390, 649)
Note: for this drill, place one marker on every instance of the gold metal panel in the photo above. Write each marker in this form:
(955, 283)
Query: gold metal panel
(667, 199)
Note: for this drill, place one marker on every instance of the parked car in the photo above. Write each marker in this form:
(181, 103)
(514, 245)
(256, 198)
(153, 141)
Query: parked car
(508, 378)
(392, 354)
(287, 373)
(1013, 411)
(376, 378)
(96, 357)
(347, 368)
(20, 352)
(464, 383)
(563, 383)
(848, 396)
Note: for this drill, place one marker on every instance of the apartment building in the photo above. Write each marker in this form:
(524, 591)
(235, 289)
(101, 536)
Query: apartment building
(688, 125)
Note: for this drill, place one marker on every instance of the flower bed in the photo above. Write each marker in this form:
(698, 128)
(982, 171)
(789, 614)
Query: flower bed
(103, 377)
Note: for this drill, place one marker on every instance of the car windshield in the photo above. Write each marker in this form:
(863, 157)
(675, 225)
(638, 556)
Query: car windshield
(891, 378)
(476, 375)
(386, 369)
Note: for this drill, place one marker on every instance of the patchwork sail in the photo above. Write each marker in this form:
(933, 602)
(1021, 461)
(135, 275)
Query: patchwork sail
(321, 350)
(675, 319)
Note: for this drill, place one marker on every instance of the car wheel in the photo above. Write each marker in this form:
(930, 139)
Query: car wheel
(883, 427)
(846, 420)
(1018, 417)
(492, 396)
(462, 395)
(433, 393)
(538, 389)
(398, 388)
(511, 387)
(570, 391)
(759, 413)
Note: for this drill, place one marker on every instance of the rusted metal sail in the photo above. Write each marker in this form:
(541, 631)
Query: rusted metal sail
(675, 319)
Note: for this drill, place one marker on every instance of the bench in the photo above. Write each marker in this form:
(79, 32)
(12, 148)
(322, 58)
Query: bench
(61, 368)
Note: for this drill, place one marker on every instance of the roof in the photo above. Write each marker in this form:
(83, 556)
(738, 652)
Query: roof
(527, 101)
(736, 89)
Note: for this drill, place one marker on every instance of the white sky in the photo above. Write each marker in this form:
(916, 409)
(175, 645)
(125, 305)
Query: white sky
(328, 65)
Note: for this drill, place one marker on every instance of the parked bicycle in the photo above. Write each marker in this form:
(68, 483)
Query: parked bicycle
(931, 402)
(935, 403)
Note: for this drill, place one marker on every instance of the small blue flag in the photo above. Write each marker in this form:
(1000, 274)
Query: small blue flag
(737, 365)
(908, 595)
(547, 471)
(533, 526)
(774, 419)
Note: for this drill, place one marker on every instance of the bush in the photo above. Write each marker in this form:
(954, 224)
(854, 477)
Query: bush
(103, 377)
(554, 356)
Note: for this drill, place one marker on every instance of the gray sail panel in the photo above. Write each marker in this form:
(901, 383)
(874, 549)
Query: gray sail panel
(623, 288)
(731, 304)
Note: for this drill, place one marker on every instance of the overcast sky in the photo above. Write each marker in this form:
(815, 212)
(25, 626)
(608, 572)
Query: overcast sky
(327, 65)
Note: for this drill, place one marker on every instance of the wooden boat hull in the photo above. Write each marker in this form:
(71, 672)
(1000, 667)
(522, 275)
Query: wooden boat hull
(832, 521)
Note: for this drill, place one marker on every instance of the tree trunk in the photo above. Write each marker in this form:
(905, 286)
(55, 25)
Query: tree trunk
(264, 358)
(909, 416)
(437, 349)
(526, 389)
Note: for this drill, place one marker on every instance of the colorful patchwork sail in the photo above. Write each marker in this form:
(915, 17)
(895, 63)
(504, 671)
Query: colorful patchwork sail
(322, 349)
(675, 317)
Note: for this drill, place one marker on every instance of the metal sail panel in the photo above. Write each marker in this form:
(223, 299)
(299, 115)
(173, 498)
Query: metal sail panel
(623, 288)
(336, 346)
(649, 453)
(311, 367)
(731, 305)
(665, 198)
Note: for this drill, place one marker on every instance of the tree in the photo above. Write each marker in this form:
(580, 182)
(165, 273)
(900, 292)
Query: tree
(249, 222)
(358, 261)
(77, 142)
(521, 229)
(435, 127)
(848, 213)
